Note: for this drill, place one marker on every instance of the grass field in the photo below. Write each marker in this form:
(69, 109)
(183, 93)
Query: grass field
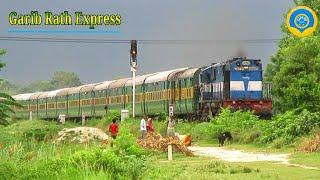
(209, 168)
(27, 152)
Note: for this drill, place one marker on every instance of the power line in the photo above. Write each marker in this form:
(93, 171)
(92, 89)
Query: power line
(141, 41)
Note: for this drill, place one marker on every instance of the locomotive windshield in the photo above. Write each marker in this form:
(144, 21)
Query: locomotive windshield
(248, 65)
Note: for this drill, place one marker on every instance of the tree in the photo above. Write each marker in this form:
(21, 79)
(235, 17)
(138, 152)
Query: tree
(38, 86)
(9, 87)
(6, 101)
(297, 83)
(62, 79)
(295, 69)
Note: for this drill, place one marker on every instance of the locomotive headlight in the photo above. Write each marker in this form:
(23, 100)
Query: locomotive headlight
(260, 102)
(246, 63)
(233, 102)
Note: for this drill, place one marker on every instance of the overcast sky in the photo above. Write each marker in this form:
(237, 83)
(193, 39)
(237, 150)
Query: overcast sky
(142, 19)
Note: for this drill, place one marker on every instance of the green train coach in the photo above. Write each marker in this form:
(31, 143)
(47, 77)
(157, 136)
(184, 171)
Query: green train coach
(154, 94)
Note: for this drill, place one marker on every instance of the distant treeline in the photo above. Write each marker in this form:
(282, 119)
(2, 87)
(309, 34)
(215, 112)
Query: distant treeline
(60, 79)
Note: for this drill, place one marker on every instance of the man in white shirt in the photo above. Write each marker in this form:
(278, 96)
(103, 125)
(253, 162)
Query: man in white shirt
(143, 128)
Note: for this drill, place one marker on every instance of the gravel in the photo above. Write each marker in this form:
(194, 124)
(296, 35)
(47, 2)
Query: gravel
(237, 155)
(81, 135)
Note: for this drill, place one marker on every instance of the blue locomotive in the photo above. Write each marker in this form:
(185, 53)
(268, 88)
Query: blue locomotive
(236, 84)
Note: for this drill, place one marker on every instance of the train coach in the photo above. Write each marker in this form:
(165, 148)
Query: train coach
(194, 93)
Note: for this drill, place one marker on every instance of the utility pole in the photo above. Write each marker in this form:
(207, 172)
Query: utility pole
(133, 63)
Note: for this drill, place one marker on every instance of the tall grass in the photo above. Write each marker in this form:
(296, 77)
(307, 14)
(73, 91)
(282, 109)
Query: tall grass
(27, 152)
(246, 128)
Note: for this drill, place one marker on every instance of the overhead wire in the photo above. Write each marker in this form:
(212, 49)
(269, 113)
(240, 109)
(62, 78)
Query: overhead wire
(140, 41)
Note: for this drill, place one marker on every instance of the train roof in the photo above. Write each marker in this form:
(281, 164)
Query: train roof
(183, 74)
(35, 95)
(43, 95)
(23, 97)
(118, 83)
(102, 86)
(89, 87)
(16, 96)
(74, 90)
(139, 80)
(56, 92)
(161, 76)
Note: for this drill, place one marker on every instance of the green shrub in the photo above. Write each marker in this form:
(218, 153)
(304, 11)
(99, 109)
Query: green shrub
(126, 141)
(112, 115)
(252, 136)
(228, 121)
(289, 126)
(160, 116)
(113, 162)
(81, 164)
(237, 123)
(38, 130)
(24, 154)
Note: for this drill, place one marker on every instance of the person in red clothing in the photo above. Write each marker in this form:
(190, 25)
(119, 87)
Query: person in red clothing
(150, 127)
(113, 129)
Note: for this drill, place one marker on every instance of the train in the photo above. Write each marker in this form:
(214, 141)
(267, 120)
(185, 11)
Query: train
(194, 93)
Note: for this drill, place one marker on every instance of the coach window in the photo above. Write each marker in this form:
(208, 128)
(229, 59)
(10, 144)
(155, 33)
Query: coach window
(201, 78)
(207, 77)
(213, 75)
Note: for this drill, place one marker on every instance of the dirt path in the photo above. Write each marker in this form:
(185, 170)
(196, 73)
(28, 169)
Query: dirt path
(240, 156)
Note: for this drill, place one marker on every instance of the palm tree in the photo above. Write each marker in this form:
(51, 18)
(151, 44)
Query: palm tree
(6, 101)
(6, 104)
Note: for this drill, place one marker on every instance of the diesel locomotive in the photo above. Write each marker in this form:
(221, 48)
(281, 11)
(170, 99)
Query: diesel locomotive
(194, 92)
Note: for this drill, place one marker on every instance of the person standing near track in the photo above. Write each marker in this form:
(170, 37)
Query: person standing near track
(170, 127)
(113, 129)
(150, 128)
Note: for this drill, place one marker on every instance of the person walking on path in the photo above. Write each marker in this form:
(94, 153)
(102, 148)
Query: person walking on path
(113, 129)
(143, 128)
(150, 128)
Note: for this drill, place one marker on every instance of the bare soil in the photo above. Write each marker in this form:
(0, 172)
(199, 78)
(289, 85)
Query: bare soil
(241, 156)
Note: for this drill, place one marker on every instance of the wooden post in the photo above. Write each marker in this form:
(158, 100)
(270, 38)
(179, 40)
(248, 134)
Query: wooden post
(169, 152)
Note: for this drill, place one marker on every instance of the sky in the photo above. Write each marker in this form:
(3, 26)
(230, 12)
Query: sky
(222, 20)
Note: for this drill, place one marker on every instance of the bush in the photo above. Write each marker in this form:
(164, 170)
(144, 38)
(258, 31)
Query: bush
(252, 136)
(38, 130)
(289, 126)
(80, 164)
(238, 124)
(126, 141)
(111, 161)
(35, 159)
